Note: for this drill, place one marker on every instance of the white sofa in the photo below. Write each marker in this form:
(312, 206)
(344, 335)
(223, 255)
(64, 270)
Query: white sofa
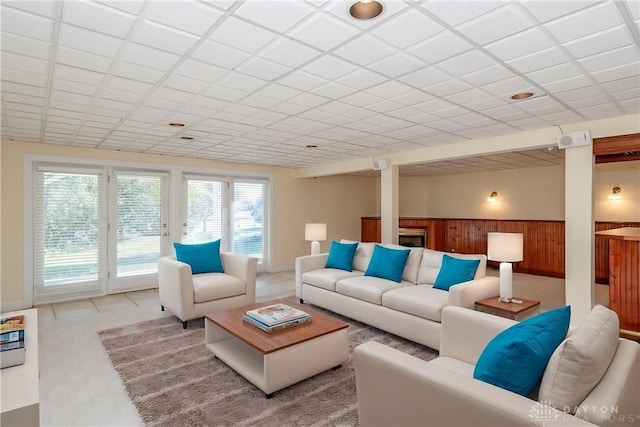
(395, 388)
(191, 296)
(411, 309)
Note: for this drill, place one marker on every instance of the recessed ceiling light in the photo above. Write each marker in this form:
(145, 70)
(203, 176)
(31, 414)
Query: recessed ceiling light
(186, 137)
(312, 146)
(522, 95)
(176, 124)
(366, 9)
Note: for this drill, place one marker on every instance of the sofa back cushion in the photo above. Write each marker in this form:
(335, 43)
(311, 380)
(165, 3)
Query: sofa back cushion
(432, 261)
(580, 361)
(363, 254)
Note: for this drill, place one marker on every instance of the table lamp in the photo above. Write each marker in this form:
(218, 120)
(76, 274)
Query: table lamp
(506, 248)
(315, 233)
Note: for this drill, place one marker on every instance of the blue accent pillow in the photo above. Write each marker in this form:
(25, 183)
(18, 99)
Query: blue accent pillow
(515, 359)
(341, 256)
(454, 271)
(387, 263)
(203, 257)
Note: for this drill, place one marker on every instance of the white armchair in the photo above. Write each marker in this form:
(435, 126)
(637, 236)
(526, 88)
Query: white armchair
(395, 388)
(191, 296)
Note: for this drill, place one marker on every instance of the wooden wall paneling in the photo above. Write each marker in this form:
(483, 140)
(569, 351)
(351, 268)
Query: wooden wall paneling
(624, 282)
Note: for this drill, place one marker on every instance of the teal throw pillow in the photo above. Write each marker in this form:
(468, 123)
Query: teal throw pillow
(516, 358)
(387, 263)
(341, 256)
(203, 258)
(454, 271)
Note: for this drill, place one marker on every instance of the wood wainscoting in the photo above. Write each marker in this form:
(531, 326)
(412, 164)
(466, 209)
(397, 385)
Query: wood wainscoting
(544, 241)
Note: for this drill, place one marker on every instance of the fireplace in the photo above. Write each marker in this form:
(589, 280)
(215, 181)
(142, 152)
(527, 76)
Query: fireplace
(412, 237)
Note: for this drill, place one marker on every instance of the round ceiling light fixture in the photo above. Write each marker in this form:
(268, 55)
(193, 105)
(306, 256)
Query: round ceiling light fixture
(176, 124)
(366, 9)
(523, 95)
(189, 138)
(312, 146)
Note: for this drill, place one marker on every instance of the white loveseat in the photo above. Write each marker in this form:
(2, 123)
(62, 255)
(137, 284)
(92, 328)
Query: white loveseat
(411, 309)
(395, 388)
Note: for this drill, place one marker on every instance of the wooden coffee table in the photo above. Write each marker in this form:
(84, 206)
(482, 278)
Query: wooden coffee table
(509, 310)
(273, 361)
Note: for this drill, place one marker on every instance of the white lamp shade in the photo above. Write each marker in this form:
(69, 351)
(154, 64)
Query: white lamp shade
(315, 232)
(505, 247)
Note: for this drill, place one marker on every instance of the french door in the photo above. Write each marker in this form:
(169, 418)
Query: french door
(84, 249)
(232, 210)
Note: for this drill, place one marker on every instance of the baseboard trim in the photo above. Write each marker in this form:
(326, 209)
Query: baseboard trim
(12, 306)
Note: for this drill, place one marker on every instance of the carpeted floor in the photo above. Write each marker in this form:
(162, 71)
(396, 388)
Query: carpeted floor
(174, 380)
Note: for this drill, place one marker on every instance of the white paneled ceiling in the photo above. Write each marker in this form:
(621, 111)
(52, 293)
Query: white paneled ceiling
(258, 81)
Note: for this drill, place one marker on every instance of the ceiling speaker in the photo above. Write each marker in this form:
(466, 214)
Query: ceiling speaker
(380, 164)
(575, 139)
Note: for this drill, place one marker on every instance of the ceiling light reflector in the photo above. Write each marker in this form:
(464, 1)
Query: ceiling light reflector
(366, 9)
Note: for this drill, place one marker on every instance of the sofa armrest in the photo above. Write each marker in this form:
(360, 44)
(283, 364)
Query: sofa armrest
(395, 388)
(465, 333)
(175, 286)
(308, 263)
(466, 294)
(244, 268)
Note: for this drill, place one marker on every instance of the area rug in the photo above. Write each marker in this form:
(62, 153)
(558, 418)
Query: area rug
(173, 379)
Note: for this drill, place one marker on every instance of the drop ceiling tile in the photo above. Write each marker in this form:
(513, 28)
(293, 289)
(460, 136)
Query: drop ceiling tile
(89, 41)
(188, 16)
(259, 101)
(630, 83)
(148, 57)
(390, 89)
(137, 72)
(185, 84)
(455, 13)
(538, 60)
(600, 17)
(225, 94)
(448, 87)
(324, 31)
(397, 65)
(600, 42)
(488, 75)
(361, 79)
(69, 86)
(200, 71)
(520, 44)
(413, 97)
(288, 52)
(406, 29)
(218, 54)
(631, 106)
(279, 16)
(543, 13)
(79, 59)
(617, 73)
(17, 76)
(301, 80)
(440, 47)
(263, 68)
(362, 99)
(333, 90)
(621, 56)
(467, 63)
(309, 100)
(468, 96)
(329, 67)
(158, 36)
(384, 106)
(127, 85)
(23, 63)
(279, 92)
(74, 98)
(25, 24)
(241, 82)
(496, 24)
(253, 38)
(24, 45)
(97, 17)
(576, 82)
(427, 76)
(364, 50)
(599, 111)
(555, 73)
(572, 95)
(435, 105)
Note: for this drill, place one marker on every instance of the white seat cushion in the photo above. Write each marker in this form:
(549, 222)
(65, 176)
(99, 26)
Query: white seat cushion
(455, 365)
(421, 300)
(368, 288)
(326, 278)
(579, 362)
(214, 286)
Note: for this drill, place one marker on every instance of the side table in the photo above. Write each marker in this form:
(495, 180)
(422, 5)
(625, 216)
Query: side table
(509, 310)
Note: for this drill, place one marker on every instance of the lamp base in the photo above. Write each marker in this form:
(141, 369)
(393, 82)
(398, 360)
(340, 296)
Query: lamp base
(506, 282)
(315, 247)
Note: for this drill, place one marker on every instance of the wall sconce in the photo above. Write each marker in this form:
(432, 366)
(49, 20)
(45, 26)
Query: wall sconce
(492, 197)
(615, 193)
(315, 233)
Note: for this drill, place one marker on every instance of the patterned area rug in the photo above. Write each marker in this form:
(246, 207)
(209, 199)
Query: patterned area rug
(174, 380)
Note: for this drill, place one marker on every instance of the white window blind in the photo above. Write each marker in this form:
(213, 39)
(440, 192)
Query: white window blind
(204, 213)
(248, 218)
(69, 232)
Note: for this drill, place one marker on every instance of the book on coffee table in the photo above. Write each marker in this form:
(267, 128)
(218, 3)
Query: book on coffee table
(275, 314)
(279, 326)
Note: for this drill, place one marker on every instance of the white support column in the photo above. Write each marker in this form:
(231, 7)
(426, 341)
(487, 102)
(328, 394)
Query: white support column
(389, 203)
(579, 232)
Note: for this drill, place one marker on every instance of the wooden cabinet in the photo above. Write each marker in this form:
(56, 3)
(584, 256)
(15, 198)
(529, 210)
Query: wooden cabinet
(624, 277)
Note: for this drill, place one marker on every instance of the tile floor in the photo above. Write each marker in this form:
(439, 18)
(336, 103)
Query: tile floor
(78, 386)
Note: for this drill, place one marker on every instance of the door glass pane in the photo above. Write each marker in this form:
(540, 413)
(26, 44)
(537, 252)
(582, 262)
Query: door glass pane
(68, 210)
(248, 213)
(204, 212)
(139, 215)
